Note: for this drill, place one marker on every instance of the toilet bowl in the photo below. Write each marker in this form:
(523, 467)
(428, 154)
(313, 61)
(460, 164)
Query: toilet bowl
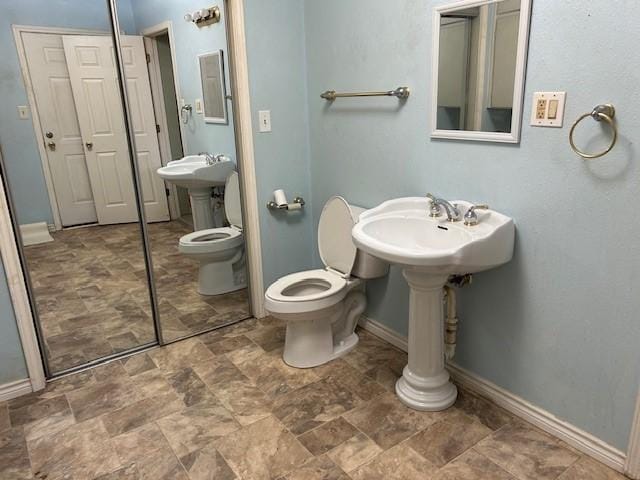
(220, 251)
(322, 307)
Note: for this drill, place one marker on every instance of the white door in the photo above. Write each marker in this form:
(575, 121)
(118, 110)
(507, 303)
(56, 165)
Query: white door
(90, 60)
(60, 129)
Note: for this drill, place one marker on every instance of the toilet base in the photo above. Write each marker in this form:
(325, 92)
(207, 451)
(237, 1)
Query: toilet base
(217, 278)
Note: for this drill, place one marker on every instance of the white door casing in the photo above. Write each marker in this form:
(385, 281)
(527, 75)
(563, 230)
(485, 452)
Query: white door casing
(58, 120)
(91, 64)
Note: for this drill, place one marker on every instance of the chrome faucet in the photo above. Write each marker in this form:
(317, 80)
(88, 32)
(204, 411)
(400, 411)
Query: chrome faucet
(210, 159)
(453, 213)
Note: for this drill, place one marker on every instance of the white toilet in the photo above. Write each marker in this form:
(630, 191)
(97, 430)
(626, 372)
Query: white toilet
(220, 251)
(321, 307)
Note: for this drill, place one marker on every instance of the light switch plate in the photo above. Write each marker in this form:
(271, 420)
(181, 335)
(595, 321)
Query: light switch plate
(264, 116)
(547, 109)
(23, 112)
(199, 108)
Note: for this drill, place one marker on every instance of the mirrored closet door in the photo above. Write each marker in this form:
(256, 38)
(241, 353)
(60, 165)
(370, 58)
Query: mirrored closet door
(68, 169)
(182, 116)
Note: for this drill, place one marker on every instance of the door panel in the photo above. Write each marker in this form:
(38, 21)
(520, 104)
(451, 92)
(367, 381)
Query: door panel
(56, 107)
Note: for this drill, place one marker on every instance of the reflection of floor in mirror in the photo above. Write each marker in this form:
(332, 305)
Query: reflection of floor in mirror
(92, 296)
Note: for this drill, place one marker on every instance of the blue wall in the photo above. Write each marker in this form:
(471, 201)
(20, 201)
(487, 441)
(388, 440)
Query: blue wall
(12, 364)
(559, 324)
(275, 45)
(19, 148)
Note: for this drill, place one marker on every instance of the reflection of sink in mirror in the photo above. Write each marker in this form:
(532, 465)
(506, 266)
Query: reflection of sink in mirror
(199, 174)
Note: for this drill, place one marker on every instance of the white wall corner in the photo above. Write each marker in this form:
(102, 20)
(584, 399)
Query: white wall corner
(572, 435)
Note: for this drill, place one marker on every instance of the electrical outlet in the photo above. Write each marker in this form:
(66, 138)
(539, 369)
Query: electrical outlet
(264, 117)
(548, 109)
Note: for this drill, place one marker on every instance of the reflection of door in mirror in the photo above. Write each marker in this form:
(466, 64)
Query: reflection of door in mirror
(69, 174)
(213, 91)
(477, 64)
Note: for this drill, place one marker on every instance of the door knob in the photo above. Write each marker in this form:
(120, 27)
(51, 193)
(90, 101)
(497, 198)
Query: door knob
(49, 134)
(51, 145)
(89, 145)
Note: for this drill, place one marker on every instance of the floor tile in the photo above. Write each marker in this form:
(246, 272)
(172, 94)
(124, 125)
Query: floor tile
(354, 452)
(81, 451)
(103, 397)
(191, 389)
(180, 354)
(14, 459)
(472, 466)
(526, 452)
(313, 405)
(319, 468)
(5, 423)
(262, 450)
(446, 439)
(247, 402)
(269, 338)
(362, 385)
(207, 464)
(328, 436)
(140, 443)
(588, 469)
(49, 425)
(399, 463)
(222, 345)
(194, 428)
(218, 371)
(138, 364)
(38, 410)
(130, 472)
(142, 412)
(388, 422)
(152, 383)
(484, 411)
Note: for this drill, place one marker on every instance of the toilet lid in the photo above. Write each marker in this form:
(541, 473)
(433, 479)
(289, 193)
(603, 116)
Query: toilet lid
(232, 200)
(336, 247)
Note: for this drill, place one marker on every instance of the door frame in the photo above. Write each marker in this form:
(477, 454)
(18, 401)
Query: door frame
(158, 100)
(632, 465)
(33, 106)
(17, 284)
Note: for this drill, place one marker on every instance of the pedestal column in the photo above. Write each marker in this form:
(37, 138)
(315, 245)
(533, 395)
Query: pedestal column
(201, 208)
(425, 384)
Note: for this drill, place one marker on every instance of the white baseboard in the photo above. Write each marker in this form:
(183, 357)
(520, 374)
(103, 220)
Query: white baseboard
(15, 389)
(35, 233)
(572, 435)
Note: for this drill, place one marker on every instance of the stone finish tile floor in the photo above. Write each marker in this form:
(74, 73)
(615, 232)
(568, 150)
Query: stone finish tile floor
(92, 298)
(224, 406)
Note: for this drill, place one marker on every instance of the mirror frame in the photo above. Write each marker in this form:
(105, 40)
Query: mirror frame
(519, 80)
(224, 120)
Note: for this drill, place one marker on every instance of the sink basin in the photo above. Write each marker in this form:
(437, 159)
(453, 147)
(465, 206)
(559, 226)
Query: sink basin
(429, 250)
(402, 232)
(193, 172)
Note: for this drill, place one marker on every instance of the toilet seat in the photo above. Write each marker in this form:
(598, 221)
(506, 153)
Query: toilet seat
(305, 292)
(211, 240)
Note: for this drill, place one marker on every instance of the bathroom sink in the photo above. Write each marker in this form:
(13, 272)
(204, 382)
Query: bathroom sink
(429, 250)
(193, 172)
(402, 232)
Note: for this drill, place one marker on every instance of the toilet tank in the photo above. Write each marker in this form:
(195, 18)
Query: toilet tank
(367, 266)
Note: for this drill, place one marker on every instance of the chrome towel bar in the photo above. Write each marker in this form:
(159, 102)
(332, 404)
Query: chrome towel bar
(599, 113)
(400, 92)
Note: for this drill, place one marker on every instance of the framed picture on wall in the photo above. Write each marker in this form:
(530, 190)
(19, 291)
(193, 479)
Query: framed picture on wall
(214, 92)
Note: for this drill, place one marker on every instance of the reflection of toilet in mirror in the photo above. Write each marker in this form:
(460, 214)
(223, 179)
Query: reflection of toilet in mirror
(220, 251)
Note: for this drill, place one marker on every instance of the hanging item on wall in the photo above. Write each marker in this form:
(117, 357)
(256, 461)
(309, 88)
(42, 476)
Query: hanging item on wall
(204, 16)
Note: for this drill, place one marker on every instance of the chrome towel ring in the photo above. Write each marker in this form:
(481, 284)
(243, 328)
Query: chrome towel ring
(601, 112)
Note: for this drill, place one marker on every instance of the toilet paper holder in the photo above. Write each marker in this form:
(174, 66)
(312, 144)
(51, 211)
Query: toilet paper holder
(297, 204)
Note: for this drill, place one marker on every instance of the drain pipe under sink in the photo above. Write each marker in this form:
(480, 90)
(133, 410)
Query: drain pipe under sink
(451, 313)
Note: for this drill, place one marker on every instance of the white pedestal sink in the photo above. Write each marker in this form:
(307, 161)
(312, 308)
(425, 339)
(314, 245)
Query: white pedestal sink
(199, 177)
(429, 250)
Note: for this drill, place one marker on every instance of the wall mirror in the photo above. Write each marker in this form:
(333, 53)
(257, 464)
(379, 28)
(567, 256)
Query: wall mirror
(479, 61)
(213, 87)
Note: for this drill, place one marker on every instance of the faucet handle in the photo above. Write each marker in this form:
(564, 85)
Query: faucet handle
(471, 218)
(435, 210)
